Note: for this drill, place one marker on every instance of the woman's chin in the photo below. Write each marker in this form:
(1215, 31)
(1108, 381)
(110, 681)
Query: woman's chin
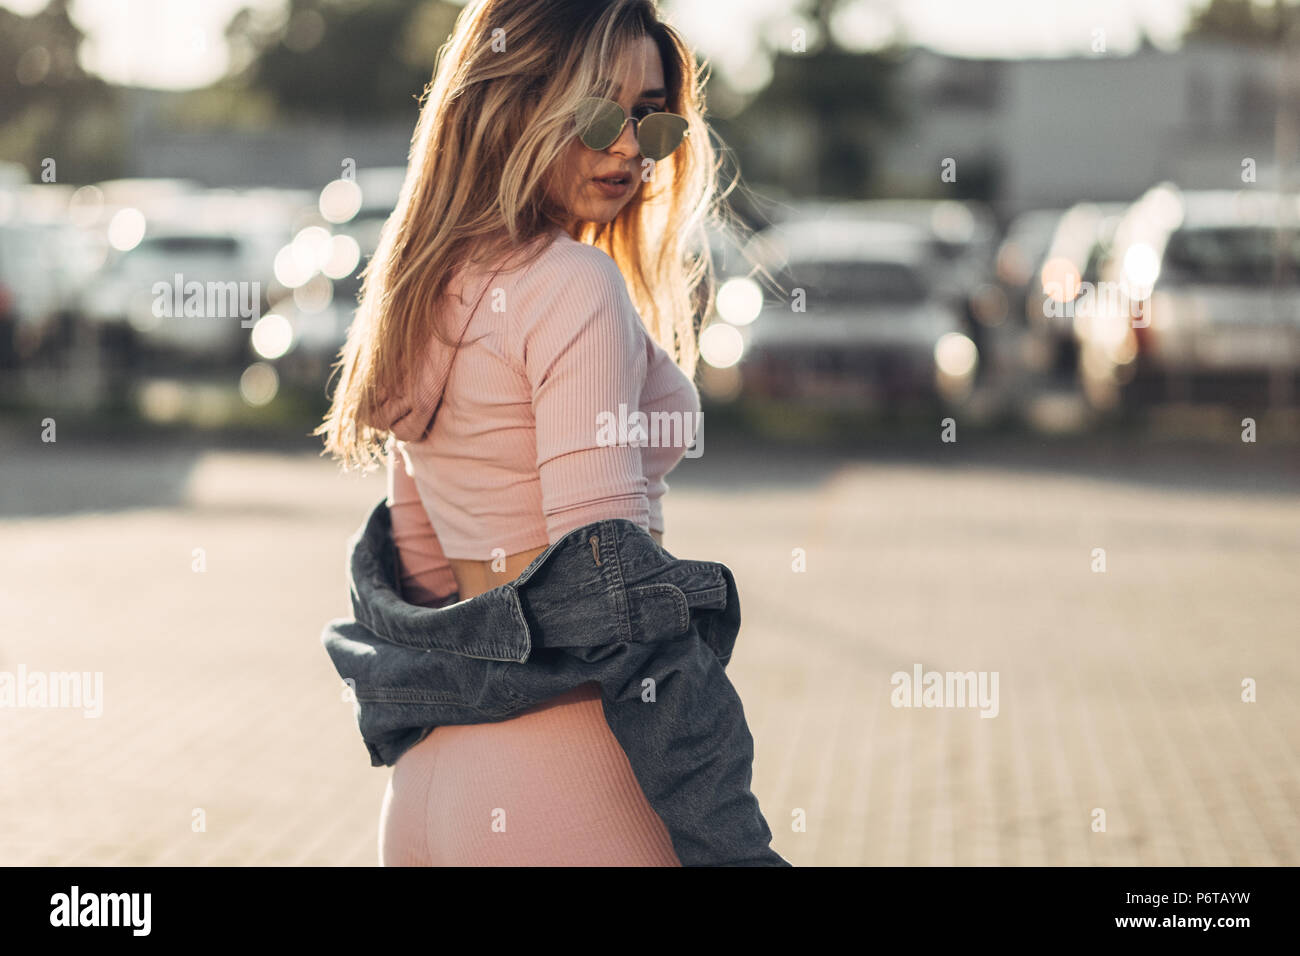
(601, 213)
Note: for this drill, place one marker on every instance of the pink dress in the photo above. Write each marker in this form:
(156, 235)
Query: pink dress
(503, 450)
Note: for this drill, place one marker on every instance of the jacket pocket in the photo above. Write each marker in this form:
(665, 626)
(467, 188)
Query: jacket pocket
(657, 612)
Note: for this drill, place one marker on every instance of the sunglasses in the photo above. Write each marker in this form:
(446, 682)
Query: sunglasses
(600, 123)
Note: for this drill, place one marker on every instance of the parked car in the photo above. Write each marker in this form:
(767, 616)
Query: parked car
(960, 236)
(872, 325)
(1063, 278)
(319, 334)
(1021, 254)
(1200, 300)
(182, 295)
(38, 274)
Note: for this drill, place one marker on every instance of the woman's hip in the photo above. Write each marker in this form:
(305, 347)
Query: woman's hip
(550, 787)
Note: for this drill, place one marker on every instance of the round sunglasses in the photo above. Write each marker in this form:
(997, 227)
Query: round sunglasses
(600, 123)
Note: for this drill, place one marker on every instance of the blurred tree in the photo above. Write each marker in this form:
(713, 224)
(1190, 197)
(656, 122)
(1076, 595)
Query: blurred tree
(815, 128)
(352, 60)
(1245, 21)
(334, 58)
(49, 106)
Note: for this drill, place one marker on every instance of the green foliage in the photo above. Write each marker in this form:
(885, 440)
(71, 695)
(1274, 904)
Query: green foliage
(842, 103)
(350, 60)
(49, 106)
(1245, 21)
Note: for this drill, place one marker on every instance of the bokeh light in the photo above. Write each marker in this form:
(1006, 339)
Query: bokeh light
(259, 384)
(721, 345)
(340, 200)
(126, 229)
(344, 255)
(955, 355)
(312, 246)
(740, 301)
(1060, 279)
(314, 295)
(290, 269)
(272, 336)
(1141, 267)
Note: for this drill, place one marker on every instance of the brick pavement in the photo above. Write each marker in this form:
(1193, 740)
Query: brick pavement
(1117, 691)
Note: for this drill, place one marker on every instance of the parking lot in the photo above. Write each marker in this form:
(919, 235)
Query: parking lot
(224, 737)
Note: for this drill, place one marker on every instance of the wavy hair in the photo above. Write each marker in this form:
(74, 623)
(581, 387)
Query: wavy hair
(494, 125)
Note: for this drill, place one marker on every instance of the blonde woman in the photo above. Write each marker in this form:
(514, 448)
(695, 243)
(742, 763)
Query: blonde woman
(542, 266)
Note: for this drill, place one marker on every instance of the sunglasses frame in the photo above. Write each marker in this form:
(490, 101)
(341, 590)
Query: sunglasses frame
(636, 127)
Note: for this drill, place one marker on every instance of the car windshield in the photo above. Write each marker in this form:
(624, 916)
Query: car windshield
(222, 246)
(1233, 256)
(850, 283)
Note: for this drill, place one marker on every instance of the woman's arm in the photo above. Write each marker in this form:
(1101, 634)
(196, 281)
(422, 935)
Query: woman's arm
(582, 351)
(424, 570)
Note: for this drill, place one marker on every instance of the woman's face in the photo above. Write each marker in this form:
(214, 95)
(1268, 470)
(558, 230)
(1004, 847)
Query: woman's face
(640, 91)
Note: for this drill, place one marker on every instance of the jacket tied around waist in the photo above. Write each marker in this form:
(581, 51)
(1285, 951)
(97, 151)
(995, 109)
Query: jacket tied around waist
(604, 603)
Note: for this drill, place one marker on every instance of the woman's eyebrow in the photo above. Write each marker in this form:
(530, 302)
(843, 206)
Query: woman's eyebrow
(659, 93)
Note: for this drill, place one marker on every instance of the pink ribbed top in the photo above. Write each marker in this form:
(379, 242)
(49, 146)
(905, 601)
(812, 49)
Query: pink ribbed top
(517, 442)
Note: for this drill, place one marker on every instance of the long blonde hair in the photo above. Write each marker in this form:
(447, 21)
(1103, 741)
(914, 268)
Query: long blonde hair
(494, 124)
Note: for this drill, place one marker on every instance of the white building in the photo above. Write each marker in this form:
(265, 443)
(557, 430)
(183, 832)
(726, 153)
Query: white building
(1101, 128)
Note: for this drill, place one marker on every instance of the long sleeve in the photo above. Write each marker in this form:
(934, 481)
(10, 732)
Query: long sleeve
(584, 356)
(425, 572)
(670, 398)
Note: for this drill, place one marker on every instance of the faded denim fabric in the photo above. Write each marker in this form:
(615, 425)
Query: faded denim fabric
(604, 603)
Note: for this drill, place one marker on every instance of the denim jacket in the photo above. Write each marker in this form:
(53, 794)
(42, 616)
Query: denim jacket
(605, 603)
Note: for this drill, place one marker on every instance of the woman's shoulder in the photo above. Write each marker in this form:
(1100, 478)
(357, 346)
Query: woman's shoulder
(568, 262)
(534, 274)
(568, 285)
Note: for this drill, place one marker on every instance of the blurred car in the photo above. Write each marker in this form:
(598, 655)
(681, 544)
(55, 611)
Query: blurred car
(358, 214)
(1021, 254)
(1199, 300)
(960, 239)
(143, 302)
(960, 236)
(36, 281)
(873, 325)
(1070, 265)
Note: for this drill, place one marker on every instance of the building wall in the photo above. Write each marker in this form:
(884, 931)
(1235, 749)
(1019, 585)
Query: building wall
(293, 155)
(1102, 128)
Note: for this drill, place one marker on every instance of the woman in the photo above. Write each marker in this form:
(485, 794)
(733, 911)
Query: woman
(536, 275)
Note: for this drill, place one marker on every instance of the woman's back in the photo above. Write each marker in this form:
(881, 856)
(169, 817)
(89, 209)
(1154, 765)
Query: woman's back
(513, 458)
(516, 454)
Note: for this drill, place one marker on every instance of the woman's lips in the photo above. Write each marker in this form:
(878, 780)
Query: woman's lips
(613, 190)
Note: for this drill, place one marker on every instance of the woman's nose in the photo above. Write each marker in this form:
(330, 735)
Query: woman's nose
(626, 144)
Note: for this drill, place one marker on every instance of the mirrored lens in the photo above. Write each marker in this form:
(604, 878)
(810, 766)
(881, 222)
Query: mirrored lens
(599, 122)
(659, 134)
